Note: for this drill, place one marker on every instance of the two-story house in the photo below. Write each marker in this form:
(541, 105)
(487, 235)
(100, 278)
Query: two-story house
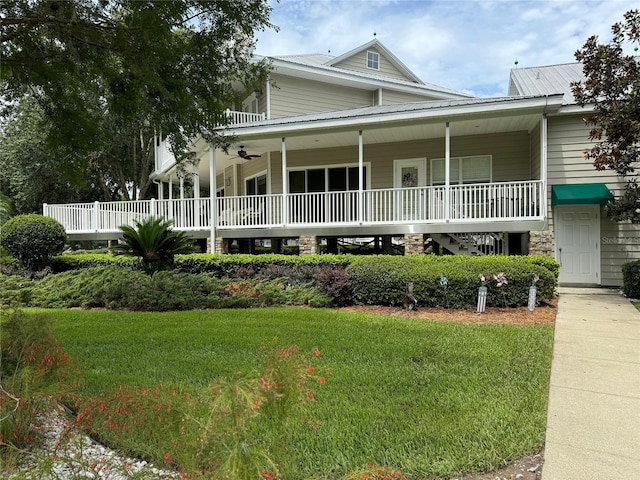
(357, 146)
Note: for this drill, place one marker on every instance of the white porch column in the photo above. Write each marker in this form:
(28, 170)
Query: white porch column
(196, 179)
(285, 184)
(543, 165)
(170, 188)
(360, 179)
(447, 173)
(181, 188)
(160, 190)
(380, 96)
(212, 198)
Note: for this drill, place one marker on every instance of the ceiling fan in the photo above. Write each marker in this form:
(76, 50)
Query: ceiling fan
(242, 153)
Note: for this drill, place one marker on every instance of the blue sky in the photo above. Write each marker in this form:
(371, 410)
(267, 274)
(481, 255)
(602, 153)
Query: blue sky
(467, 45)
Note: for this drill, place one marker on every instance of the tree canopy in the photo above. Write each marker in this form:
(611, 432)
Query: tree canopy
(612, 86)
(109, 74)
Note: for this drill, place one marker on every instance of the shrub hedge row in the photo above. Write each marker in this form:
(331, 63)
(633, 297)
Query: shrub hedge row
(117, 287)
(631, 279)
(118, 282)
(383, 280)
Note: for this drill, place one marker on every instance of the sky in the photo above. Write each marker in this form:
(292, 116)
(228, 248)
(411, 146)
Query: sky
(467, 45)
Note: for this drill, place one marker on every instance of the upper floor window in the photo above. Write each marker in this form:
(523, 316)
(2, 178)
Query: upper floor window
(475, 169)
(373, 60)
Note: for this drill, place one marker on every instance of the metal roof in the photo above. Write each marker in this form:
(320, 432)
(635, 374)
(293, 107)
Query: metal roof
(546, 80)
(320, 62)
(381, 110)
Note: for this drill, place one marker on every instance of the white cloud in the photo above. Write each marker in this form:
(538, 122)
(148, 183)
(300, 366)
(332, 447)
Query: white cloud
(468, 45)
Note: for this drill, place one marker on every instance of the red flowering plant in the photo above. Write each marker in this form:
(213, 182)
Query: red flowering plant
(34, 370)
(232, 429)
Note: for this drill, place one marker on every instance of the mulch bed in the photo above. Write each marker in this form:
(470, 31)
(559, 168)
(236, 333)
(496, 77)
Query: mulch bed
(542, 315)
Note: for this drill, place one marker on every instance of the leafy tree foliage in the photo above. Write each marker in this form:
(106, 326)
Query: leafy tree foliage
(32, 172)
(155, 242)
(111, 73)
(5, 208)
(612, 86)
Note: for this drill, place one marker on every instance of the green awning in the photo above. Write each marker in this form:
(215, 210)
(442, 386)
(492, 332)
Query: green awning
(580, 194)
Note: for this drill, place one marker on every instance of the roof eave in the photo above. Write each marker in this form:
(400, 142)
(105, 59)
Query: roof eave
(359, 78)
(547, 103)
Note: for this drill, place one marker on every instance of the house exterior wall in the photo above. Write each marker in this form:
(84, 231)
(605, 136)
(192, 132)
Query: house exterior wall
(229, 178)
(358, 62)
(298, 96)
(510, 157)
(619, 241)
(391, 97)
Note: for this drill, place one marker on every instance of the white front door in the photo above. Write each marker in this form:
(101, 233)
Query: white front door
(578, 244)
(407, 174)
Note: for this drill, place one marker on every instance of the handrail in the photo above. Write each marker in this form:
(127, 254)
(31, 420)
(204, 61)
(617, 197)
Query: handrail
(501, 201)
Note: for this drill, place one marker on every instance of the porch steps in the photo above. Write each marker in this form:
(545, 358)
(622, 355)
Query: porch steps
(479, 244)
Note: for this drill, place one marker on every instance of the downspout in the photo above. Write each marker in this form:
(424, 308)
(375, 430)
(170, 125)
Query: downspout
(447, 173)
(212, 198)
(543, 165)
(160, 185)
(360, 179)
(285, 187)
(268, 93)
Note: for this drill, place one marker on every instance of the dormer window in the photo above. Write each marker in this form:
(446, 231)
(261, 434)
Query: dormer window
(373, 60)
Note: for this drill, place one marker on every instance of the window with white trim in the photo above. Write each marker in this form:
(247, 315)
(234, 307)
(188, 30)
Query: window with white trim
(256, 185)
(475, 169)
(373, 60)
(329, 179)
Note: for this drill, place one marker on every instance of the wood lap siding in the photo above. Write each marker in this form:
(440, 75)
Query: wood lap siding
(391, 98)
(300, 96)
(510, 157)
(619, 241)
(358, 63)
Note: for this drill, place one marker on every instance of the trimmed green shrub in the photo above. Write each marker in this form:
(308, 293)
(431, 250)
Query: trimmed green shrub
(631, 279)
(33, 239)
(382, 280)
(76, 261)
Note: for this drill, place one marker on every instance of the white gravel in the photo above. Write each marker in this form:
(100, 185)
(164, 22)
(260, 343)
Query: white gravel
(68, 454)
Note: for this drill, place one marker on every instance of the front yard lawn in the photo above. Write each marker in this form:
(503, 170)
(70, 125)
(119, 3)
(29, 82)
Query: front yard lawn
(430, 399)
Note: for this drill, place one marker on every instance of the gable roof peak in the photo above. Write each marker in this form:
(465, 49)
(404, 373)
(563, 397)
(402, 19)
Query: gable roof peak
(384, 50)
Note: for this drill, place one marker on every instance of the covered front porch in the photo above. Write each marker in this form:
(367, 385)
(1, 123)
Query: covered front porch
(434, 167)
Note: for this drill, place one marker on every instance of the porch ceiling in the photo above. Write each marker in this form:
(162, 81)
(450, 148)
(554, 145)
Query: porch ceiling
(372, 134)
(391, 133)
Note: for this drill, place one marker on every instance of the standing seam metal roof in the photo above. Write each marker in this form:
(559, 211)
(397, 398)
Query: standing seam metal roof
(546, 80)
(317, 60)
(385, 109)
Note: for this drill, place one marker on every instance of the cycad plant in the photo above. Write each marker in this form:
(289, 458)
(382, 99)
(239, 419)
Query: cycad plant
(155, 242)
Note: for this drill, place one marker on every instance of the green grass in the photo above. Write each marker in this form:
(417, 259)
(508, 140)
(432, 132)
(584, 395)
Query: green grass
(430, 399)
(637, 304)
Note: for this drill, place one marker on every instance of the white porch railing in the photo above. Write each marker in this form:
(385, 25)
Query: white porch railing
(508, 201)
(236, 118)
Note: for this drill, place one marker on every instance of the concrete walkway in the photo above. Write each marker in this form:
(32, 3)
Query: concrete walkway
(593, 421)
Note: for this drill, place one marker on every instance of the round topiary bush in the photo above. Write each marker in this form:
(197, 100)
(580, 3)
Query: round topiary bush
(33, 239)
